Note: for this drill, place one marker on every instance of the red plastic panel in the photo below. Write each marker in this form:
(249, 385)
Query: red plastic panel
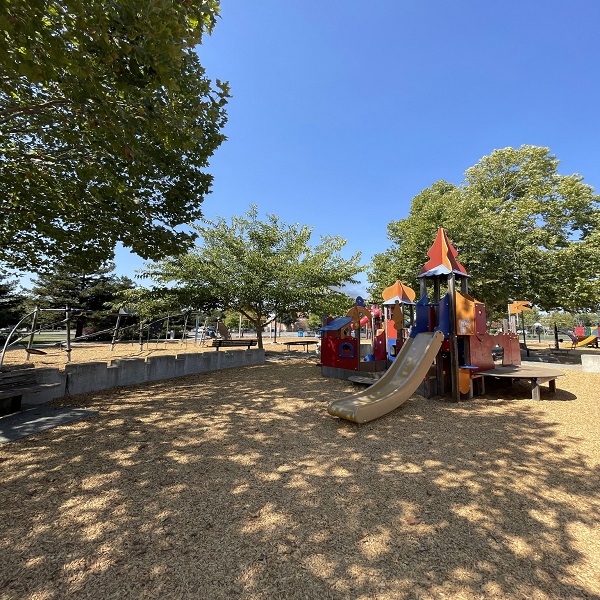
(379, 349)
(481, 350)
(347, 354)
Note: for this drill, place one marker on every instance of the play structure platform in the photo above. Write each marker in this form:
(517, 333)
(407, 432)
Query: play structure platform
(398, 384)
(535, 375)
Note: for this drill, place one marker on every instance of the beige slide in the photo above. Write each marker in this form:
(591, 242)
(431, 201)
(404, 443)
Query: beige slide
(396, 386)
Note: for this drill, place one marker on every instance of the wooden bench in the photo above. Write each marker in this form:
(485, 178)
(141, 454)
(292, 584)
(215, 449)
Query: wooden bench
(305, 343)
(233, 344)
(13, 384)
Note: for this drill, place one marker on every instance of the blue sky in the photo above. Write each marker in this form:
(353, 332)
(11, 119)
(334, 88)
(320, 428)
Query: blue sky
(343, 111)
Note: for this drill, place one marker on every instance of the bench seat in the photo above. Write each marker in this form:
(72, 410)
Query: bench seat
(233, 344)
(13, 384)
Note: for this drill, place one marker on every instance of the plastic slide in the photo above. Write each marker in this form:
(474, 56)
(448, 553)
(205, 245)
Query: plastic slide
(396, 386)
(588, 340)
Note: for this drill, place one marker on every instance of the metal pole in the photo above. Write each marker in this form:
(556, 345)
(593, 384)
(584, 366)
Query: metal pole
(7, 342)
(33, 325)
(204, 334)
(524, 336)
(185, 320)
(385, 329)
(68, 320)
(454, 362)
(141, 335)
(114, 337)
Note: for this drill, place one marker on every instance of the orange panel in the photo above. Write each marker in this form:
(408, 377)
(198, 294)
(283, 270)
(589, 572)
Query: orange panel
(465, 314)
(470, 315)
(464, 380)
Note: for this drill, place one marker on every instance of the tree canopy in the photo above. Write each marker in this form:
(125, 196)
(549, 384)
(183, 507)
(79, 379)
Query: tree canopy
(260, 269)
(107, 122)
(522, 230)
(80, 289)
(11, 303)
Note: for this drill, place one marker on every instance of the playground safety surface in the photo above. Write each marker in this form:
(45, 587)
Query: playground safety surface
(36, 420)
(238, 484)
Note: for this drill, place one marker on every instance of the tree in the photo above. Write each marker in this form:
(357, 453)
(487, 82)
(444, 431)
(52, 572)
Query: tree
(11, 303)
(94, 292)
(563, 320)
(261, 269)
(315, 321)
(523, 232)
(107, 122)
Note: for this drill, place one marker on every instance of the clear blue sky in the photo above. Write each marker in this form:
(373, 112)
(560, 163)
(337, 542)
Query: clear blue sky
(344, 110)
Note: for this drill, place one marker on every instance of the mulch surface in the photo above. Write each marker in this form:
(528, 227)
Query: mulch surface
(239, 484)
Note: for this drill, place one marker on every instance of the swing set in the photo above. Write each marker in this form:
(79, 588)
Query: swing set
(144, 329)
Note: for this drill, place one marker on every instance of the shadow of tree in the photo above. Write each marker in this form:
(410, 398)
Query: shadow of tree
(216, 487)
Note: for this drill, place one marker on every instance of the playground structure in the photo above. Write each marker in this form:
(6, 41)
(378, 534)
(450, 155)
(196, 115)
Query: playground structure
(582, 336)
(144, 331)
(448, 348)
(398, 306)
(341, 348)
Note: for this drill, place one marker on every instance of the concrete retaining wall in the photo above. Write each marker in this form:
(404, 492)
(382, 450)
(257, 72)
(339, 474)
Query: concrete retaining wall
(590, 363)
(80, 378)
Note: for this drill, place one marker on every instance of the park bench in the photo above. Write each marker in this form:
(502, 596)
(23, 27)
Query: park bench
(233, 344)
(13, 384)
(563, 350)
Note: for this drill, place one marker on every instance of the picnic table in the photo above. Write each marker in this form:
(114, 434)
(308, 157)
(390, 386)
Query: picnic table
(305, 343)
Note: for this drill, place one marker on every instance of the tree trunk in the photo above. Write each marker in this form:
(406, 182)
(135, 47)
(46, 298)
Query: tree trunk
(259, 333)
(79, 327)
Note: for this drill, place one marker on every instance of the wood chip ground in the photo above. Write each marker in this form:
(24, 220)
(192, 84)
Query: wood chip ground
(238, 484)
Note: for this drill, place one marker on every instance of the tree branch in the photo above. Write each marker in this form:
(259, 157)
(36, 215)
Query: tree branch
(10, 113)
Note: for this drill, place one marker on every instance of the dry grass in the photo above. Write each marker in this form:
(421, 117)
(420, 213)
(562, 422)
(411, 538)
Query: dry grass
(238, 484)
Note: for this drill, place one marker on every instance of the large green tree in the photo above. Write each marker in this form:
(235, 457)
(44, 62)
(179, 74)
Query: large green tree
(107, 123)
(11, 303)
(260, 269)
(522, 230)
(91, 292)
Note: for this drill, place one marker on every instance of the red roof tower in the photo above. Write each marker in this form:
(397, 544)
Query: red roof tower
(442, 258)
